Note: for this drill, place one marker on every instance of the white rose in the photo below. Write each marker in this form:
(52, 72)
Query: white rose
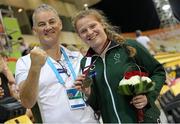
(123, 82)
(146, 79)
(135, 80)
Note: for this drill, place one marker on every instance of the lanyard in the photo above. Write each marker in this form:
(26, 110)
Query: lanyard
(69, 63)
(58, 76)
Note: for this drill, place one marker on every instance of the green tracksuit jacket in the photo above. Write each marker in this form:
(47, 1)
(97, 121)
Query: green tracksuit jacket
(114, 107)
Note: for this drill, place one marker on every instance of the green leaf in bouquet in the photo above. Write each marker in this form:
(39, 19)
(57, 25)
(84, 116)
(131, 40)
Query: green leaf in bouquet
(150, 86)
(139, 88)
(144, 87)
(125, 89)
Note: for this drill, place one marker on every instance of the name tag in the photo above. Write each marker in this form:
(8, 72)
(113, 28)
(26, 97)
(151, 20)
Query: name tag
(75, 99)
(60, 70)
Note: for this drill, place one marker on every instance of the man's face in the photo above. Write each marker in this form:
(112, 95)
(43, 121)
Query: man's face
(47, 27)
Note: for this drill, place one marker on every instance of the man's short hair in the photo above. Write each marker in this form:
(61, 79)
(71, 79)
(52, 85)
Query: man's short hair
(138, 33)
(41, 8)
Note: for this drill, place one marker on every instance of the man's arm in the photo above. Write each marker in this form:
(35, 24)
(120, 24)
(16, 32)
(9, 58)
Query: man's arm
(29, 88)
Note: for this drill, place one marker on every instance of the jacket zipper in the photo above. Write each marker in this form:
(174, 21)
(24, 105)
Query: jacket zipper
(112, 98)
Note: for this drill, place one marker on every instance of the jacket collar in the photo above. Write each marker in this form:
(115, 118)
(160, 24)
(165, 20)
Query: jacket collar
(91, 52)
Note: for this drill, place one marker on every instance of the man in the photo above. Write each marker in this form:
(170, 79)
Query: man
(145, 41)
(46, 75)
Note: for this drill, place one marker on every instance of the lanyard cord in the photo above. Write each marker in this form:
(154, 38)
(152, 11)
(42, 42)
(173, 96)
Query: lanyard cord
(58, 76)
(63, 67)
(69, 63)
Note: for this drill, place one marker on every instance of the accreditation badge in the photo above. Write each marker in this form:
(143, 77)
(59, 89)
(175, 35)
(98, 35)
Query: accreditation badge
(75, 99)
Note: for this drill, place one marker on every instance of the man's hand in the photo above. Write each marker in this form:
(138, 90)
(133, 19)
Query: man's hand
(38, 57)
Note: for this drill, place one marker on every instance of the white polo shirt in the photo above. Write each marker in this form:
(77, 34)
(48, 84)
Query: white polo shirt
(144, 41)
(52, 99)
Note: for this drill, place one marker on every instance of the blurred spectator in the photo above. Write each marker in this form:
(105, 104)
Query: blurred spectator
(64, 44)
(32, 45)
(146, 42)
(24, 48)
(83, 51)
(162, 48)
(2, 42)
(9, 43)
(7, 79)
(72, 47)
(1, 28)
(7, 82)
(1, 90)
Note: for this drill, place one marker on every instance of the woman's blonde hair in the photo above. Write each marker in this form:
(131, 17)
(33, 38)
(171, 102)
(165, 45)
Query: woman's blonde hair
(110, 30)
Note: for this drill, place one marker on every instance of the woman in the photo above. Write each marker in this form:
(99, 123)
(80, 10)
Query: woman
(109, 57)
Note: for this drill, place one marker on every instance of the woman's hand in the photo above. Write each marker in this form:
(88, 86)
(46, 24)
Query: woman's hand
(79, 85)
(139, 101)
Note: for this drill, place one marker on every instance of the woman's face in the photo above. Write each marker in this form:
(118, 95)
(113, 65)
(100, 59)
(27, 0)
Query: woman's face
(91, 31)
(47, 27)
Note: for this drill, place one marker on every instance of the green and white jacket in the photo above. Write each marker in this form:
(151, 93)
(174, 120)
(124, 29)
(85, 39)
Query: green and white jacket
(114, 107)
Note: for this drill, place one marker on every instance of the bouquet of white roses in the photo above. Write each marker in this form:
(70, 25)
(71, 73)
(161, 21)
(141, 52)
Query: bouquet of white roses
(134, 83)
